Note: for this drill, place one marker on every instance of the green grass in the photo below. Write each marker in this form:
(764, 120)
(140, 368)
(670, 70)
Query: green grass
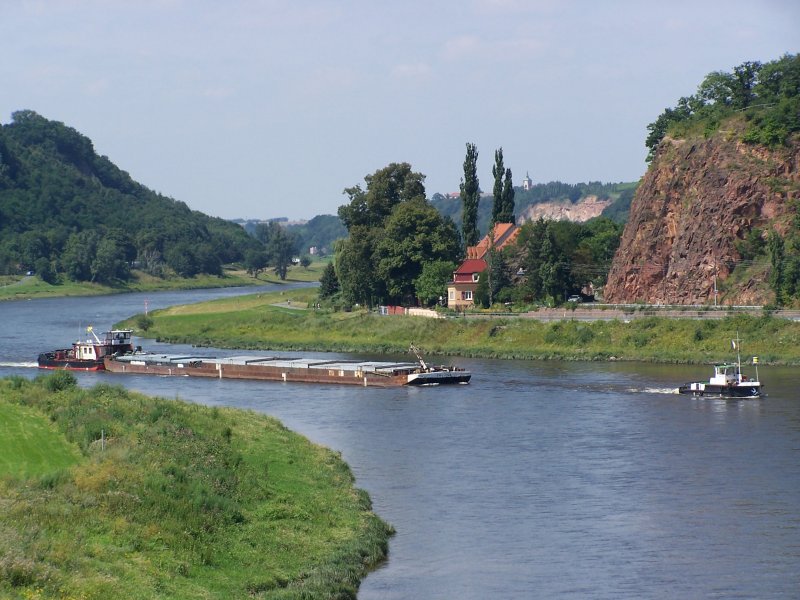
(30, 446)
(262, 322)
(22, 288)
(181, 501)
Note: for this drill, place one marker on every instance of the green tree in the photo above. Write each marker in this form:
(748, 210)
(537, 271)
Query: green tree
(366, 216)
(386, 188)
(498, 170)
(470, 197)
(328, 282)
(507, 214)
(431, 285)
(255, 261)
(414, 234)
(80, 250)
(109, 262)
(356, 266)
(281, 248)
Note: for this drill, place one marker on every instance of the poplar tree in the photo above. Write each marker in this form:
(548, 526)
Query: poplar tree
(470, 196)
(498, 171)
(506, 215)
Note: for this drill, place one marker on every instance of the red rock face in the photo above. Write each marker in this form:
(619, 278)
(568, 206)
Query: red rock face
(698, 197)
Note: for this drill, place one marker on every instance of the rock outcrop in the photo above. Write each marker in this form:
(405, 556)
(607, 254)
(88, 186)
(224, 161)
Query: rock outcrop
(564, 210)
(699, 196)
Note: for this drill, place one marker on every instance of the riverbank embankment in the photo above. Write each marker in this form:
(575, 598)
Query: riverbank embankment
(143, 497)
(265, 321)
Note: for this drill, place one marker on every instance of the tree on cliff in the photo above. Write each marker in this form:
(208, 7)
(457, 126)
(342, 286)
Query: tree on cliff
(767, 94)
(470, 196)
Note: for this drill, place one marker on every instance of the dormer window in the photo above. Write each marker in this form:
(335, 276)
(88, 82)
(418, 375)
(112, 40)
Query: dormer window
(475, 277)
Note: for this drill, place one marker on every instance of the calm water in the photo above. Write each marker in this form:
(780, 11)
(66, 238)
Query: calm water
(537, 480)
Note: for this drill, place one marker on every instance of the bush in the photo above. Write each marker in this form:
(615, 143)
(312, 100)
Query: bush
(60, 380)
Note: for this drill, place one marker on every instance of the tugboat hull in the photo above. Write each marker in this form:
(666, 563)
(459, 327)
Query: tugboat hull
(721, 391)
(48, 360)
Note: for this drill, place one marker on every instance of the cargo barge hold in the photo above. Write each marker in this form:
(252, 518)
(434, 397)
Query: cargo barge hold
(275, 368)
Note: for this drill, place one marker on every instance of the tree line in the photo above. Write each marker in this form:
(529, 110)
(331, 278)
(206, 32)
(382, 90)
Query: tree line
(401, 250)
(66, 212)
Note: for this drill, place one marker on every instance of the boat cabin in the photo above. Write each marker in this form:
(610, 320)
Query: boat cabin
(727, 374)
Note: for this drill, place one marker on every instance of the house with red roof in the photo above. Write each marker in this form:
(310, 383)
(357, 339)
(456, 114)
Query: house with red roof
(461, 290)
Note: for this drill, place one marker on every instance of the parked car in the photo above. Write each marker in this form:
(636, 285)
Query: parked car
(574, 299)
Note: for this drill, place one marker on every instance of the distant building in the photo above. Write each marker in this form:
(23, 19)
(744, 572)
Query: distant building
(527, 183)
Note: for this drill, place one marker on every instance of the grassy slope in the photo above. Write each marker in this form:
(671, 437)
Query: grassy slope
(23, 288)
(30, 446)
(185, 501)
(261, 321)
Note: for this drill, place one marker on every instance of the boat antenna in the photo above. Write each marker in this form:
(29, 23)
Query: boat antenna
(418, 354)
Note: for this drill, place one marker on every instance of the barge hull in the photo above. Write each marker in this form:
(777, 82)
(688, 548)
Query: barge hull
(323, 373)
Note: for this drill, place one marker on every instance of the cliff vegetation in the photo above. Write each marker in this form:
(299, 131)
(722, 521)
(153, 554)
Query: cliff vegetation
(715, 219)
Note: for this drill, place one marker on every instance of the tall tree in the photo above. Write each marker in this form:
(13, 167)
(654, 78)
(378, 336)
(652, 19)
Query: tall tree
(470, 196)
(506, 215)
(498, 170)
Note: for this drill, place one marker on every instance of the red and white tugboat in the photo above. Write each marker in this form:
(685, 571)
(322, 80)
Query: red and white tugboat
(88, 355)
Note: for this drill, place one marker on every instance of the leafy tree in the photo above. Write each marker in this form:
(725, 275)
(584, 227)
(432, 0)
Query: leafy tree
(431, 285)
(109, 262)
(328, 282)
(305, 261)
(181, 258)
(255, 261)
(281, 248)
(386, 188)
(414, 234)
(470, 196)
(355, 263)
(80, 250)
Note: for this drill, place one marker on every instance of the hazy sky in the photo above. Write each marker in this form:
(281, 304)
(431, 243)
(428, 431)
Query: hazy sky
(267, 108)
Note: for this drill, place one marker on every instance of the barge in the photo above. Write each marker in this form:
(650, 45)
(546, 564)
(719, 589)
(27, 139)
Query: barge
(276, 368)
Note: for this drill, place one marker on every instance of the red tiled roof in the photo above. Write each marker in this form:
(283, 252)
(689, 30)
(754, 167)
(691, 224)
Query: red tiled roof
(504, 234)
(472, 265)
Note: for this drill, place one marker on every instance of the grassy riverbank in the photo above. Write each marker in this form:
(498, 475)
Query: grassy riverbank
(27, 287)
(141, 497)
(273, 321)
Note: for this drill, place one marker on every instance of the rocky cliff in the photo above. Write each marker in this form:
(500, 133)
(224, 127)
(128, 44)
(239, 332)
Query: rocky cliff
(699, 196)
(586, 208)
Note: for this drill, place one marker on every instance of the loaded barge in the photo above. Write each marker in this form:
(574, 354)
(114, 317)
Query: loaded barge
(275, 368)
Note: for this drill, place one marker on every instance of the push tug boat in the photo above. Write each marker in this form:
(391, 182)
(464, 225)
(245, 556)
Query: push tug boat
(728, 380)
(88, 355)
(276, 368)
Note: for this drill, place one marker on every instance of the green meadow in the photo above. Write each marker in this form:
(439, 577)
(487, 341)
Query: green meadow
(284, 321)
(136, 497)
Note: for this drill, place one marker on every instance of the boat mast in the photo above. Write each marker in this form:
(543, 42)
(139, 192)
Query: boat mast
(738, 344)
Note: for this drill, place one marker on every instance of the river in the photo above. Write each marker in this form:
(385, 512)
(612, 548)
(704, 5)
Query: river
(537, 480)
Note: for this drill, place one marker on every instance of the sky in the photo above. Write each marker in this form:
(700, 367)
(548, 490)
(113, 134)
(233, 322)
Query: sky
(270, 108)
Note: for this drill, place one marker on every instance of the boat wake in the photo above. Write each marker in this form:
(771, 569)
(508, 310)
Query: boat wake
(31, 365)
(653, 390)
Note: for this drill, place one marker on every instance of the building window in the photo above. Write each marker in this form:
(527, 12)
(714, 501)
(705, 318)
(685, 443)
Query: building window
(475, 277)
(466, 295)
(451, 295)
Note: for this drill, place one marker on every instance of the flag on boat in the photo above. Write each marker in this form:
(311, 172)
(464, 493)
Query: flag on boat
(733, 344)
(755, 360)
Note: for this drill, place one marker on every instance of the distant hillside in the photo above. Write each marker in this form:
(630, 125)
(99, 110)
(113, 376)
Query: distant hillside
(65, 211)
(615, 197)
(320, 232)
(717, 216)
